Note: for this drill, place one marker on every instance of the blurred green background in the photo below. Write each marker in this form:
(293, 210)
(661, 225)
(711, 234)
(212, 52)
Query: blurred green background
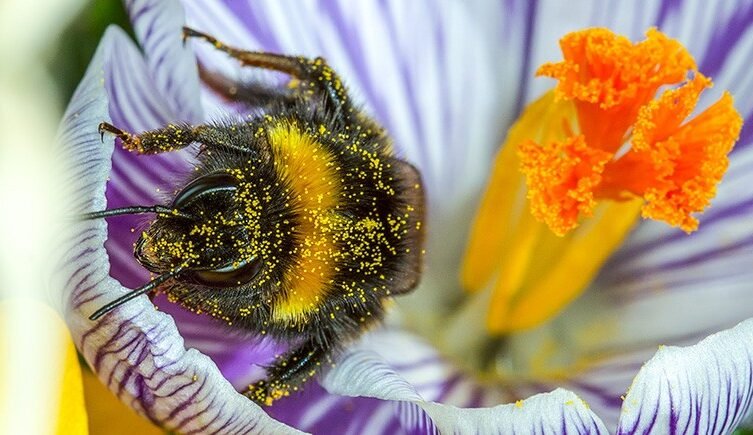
(69, 58)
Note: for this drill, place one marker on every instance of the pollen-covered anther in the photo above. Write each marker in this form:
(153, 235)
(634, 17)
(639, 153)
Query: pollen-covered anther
(605, 68)
(561, 179)
(609, 78)
(679, 163)
(627, 142)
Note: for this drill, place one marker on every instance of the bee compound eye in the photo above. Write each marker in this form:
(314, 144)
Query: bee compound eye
(207, 184)
(229, 275)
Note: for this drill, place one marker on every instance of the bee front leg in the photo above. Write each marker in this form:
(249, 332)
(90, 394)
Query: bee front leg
(173, 137)
(287, 374)
(252, 93)
(170, 138)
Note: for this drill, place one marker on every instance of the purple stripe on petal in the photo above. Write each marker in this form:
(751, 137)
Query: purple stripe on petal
(680, 264)
(717, 215)
(746, 134)
(667, 7)
(171, 65)
(256, 24)
(339, 414)
(530, 19)
(724, 39)
(607, 398)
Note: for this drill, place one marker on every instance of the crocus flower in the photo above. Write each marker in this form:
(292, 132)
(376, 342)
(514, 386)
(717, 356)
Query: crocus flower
(447, 80)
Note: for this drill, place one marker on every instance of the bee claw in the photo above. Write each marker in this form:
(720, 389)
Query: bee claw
(191, 33)
(106, 127)
(101, 128)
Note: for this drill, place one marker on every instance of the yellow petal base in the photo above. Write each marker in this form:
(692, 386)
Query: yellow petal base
(108, 415)
(40, 379)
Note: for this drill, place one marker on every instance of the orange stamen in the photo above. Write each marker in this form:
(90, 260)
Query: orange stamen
(673, 164)
(609, 78)
(561, 180)
(696, 161)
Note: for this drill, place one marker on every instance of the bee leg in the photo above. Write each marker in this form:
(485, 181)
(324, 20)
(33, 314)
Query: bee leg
(254, 94)
(315, 74)
(171, 138)
(287, 374)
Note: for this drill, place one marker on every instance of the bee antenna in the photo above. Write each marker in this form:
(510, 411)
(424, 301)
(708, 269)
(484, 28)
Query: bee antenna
(146, 288)
(158, 209)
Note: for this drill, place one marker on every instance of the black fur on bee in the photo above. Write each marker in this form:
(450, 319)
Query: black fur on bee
(298, 223)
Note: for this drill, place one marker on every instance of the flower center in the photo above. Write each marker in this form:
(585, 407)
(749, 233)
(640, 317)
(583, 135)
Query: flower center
(601, 145)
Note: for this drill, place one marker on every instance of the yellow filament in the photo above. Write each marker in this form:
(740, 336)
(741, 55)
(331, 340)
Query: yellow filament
(531, 272)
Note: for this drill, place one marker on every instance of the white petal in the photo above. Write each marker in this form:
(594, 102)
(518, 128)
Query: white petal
(706, 388)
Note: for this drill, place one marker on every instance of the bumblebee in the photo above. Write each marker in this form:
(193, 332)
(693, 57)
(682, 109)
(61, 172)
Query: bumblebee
(298, 223)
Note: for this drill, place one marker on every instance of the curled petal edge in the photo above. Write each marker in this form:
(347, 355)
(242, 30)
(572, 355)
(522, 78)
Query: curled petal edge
(704, 388)
(364, 373)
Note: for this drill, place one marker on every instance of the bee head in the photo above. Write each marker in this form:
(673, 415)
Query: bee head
(217, 246)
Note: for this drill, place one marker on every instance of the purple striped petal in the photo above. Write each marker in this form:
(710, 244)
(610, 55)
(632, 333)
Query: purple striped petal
(135, 350)
(706, 388)
(416, 371)
(317, 411)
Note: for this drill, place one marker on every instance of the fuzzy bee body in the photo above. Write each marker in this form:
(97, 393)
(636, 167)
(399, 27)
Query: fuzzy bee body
(336, 225)
(298, 223)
